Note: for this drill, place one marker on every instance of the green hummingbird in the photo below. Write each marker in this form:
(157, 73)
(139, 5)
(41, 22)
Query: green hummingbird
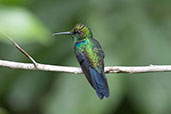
(90, 57)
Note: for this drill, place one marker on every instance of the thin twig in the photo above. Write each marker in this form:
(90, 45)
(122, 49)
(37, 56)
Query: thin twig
(20, 49)
(77, 70)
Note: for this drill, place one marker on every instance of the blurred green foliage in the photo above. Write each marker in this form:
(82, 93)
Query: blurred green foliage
(130, 32)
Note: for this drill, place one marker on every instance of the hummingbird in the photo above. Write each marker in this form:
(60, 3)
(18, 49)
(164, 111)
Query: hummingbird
(90, 56)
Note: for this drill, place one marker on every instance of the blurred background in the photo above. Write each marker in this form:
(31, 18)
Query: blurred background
(132, 33)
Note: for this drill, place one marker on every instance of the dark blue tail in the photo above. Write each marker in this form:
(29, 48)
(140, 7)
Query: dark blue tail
(100, 83)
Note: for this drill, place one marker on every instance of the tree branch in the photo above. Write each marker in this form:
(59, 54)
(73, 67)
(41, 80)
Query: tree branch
(20, 49)
(40, 67)
(77, 70)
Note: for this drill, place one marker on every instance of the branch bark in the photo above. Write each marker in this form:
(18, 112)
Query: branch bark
(77, 70)
(20, 49)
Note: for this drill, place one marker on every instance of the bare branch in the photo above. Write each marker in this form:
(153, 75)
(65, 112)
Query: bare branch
(20, 49)
(77, 70)
(41, 67)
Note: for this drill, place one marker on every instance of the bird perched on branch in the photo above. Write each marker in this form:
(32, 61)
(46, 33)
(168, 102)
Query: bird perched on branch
(90, 57)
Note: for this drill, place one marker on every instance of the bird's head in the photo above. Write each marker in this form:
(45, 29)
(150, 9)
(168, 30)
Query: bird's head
(78, 33)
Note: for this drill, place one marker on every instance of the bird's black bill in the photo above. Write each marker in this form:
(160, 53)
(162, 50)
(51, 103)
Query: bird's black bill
(62, 33)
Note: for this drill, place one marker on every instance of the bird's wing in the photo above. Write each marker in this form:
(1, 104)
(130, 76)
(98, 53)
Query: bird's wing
(84, 65)
(95, 77)
(98, 47)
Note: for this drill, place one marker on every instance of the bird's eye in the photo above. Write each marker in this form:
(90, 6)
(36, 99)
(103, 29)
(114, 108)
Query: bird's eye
(78, 32)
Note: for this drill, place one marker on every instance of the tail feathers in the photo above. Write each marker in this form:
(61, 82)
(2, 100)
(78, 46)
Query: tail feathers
(99, 83)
